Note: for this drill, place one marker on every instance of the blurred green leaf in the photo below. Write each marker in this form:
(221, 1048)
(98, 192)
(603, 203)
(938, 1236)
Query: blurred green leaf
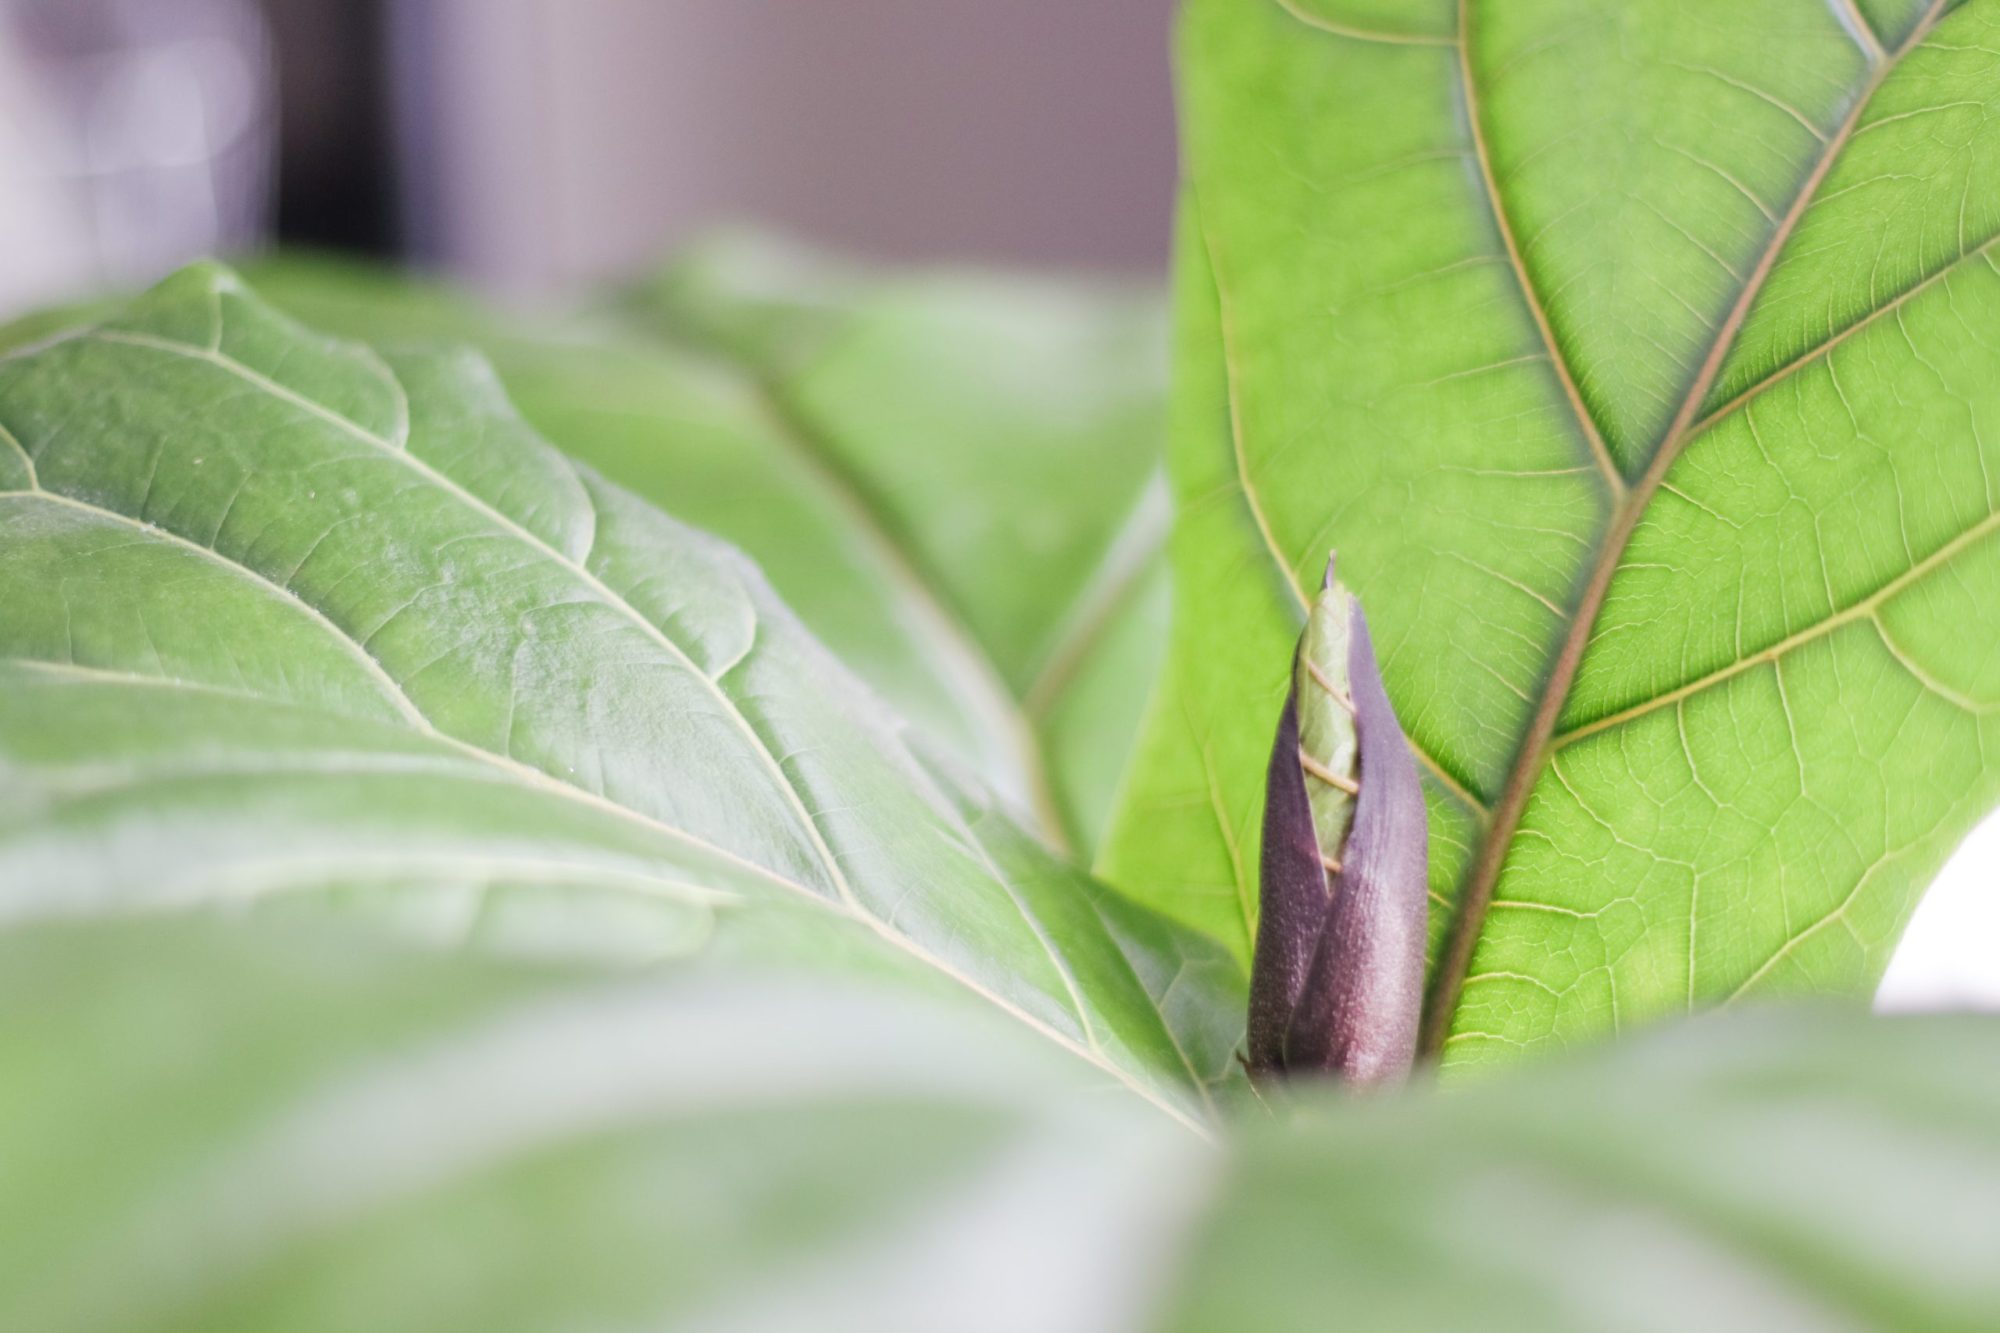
(1798, 1170)
(252, 1128)
(291, 622)
(279, 1131)
(1637, 359)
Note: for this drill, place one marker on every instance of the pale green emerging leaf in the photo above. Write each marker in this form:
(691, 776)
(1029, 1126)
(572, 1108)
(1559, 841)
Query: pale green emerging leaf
(1326, 715)
(1641, 360)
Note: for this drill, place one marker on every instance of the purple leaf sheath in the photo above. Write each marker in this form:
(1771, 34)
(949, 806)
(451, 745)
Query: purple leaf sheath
(1337, 983)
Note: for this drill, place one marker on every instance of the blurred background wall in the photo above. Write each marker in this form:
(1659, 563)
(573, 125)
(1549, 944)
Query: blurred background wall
(534, 144)
(1034, 130)
(133, 133)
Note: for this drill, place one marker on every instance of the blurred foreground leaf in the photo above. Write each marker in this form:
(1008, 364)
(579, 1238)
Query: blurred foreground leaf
(1812, 1169)
(248, 1130)
(252, 1129)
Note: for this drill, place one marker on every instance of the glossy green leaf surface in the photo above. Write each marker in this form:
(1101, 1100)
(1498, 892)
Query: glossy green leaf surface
(283, 1130)
(1639, 360)
(288, 620)
(951, 476)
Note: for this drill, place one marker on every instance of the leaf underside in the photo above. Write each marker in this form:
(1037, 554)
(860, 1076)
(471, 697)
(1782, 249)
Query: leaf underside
(1641, 362)
(294, 626)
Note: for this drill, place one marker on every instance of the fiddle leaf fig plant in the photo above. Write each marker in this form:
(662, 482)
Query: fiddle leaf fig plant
(641, 817)
(1640, 361)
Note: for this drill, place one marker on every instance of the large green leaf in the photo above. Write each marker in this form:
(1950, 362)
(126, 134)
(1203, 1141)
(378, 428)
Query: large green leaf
(261, 1129)
(952, 477)
(1639, 359)
(286, 619)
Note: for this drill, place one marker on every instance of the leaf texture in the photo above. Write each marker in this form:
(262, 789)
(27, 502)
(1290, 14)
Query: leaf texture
(1636, 359)
(287, 620)
(950, 476)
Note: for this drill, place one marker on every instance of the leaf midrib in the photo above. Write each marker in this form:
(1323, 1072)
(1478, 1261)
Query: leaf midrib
(1600, 454)
(847, 905)
(1537, 746)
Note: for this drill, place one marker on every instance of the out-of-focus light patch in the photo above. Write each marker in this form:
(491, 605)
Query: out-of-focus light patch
(1949, 958)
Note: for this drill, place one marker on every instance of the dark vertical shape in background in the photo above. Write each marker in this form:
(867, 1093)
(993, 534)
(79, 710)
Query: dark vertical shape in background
(416, 109)
(337, 182)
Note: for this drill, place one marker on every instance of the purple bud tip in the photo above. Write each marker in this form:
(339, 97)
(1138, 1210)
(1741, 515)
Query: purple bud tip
(1336, 986)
